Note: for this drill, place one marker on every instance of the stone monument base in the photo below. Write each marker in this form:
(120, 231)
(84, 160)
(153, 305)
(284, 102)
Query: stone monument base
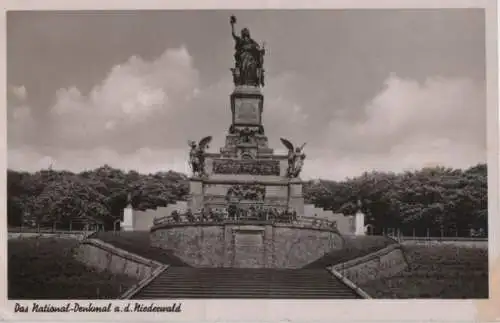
(246, 245)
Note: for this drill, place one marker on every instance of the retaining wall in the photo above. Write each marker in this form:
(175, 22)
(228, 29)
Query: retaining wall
(105, 257)
(60, 235)
(245, 245)
(458, 242)
(383, 263)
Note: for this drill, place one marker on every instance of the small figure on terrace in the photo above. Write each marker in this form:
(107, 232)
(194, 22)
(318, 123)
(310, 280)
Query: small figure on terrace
(175, 216)
(189, 216)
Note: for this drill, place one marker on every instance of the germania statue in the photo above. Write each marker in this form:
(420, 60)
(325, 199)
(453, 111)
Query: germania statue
(249, 58)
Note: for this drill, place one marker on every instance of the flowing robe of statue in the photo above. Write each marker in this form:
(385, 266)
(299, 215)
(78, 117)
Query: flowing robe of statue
(249, 57)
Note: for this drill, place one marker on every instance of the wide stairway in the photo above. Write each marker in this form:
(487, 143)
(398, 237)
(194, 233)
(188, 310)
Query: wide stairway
(188, 282)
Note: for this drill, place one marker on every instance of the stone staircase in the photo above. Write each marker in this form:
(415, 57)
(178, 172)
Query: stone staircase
(188, 282)
(182, 281)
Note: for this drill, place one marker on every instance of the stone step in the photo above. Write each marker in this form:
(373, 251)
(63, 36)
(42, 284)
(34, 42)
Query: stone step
(183, 282)
(253, 291)
(246, 296)
(237, 296)
(205, 286)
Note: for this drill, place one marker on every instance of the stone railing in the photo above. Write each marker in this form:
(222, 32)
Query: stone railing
(143, 283)
(286, 219)
(349, 283)
(223, 217)
(317, 222)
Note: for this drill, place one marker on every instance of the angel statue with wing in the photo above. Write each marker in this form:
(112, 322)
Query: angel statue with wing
(295, 158)
(197, 155)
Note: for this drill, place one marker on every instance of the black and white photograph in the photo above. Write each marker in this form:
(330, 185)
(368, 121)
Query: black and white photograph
(276, 154)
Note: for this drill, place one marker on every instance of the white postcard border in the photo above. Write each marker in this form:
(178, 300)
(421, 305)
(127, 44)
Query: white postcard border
(289, 310)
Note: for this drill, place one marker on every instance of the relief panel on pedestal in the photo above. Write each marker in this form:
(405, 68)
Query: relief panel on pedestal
(246, 167)
(247, 110)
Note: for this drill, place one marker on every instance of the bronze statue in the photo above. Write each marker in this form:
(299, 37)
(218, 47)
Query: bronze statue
(197, 156)
(249, 58)
(295, 158)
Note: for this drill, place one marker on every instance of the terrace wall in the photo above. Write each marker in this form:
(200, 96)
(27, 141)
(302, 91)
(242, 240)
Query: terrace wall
(60, 235)
(458, 242)
(246, 245)
(105, 257)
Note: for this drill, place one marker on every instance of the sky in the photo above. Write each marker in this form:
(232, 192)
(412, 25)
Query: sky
(387, 90)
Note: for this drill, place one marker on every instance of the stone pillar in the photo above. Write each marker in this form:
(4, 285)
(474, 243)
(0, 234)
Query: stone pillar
(359, 220)
(128, 219)
(296, 199)
(195, 201)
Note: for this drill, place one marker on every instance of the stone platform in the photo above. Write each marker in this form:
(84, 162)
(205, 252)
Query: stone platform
(246, 244)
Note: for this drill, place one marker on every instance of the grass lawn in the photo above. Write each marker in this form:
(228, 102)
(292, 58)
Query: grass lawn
(437, 271)
(44, 268)
(354, 247)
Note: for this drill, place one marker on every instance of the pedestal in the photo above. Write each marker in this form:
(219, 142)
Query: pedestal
(128, 219)
(247, 106)
(296, 199)
(359, 223)
(195, 201)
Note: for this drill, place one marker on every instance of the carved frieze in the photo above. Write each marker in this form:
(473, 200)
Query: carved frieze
(249, 192)
(246, 166)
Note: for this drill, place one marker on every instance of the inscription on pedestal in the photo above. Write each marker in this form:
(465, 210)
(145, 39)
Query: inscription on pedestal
(249, 239)
(247, 167)
(249, 249)
(246, 111)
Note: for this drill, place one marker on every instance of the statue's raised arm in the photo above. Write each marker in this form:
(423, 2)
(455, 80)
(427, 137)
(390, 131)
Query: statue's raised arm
(232, 21)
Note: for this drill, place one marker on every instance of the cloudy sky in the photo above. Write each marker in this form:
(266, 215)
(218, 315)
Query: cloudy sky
(385, 89)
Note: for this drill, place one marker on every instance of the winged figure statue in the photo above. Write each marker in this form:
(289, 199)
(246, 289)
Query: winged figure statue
(295, 158)
(197, 155)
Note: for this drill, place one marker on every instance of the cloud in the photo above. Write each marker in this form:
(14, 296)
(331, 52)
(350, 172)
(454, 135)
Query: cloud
(142, 113)
(132, 94)
(145, 160)
(408, 125)
(19, 92)
(139, 116)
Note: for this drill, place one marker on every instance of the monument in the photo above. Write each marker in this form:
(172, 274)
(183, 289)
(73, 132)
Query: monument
(246, 179)
(245, 206)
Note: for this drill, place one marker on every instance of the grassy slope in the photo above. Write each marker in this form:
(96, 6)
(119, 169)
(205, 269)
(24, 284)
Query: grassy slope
(138, 242)
(354, 247)
(45, 269)
(437, 271)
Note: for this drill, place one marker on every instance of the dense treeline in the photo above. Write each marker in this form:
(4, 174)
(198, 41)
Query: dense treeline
(50, 196)
(431, 201)
(436, 201)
